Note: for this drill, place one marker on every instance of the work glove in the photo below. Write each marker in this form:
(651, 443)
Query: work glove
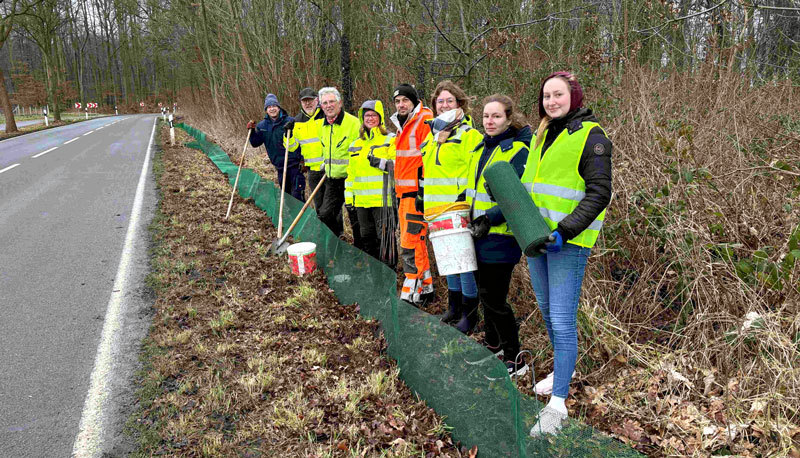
(553, 244)
(419, 204)
(462, 197)
(373, 161)
(251, 125)
(488, 191)
(349, 207)
(480, 226)
(289, 126)
(302, 166)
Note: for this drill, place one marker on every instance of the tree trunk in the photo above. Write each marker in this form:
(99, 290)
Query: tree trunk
(11, 124)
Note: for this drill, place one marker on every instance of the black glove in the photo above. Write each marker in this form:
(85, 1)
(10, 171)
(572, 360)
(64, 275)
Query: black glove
(419, 204)
(373, 161)
(289, 126)
(350, 208)
(462, 197)
(480, 226)
(488, 191)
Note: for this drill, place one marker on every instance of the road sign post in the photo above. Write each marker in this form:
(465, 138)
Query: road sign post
(46, 121)
(171, 131)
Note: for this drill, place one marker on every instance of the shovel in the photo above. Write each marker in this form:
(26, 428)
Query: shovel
(241, 161)
(283, 192)
(279, 246)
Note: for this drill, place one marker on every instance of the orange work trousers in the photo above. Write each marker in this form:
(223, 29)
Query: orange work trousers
(414, 252)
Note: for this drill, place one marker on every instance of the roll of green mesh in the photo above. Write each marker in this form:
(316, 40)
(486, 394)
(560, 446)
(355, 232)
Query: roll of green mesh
(522, 215)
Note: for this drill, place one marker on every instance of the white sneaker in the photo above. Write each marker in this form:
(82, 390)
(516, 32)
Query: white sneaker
(549, 422)
(545, 386)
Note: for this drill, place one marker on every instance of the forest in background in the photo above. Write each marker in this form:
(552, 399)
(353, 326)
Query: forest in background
(690, 316)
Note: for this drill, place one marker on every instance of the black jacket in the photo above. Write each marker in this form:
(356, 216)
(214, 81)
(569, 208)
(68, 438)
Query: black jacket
(269, 133)
(594, 167)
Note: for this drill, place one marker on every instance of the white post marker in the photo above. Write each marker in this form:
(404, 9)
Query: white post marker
(86, 110)
(171, 131)
(90, 433)
(46, 121)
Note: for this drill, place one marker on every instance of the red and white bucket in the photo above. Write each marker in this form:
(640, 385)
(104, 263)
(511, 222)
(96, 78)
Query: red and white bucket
(303, 257)
(452, 243)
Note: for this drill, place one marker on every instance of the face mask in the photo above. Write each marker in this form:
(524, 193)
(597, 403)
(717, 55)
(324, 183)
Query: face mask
(445, 123)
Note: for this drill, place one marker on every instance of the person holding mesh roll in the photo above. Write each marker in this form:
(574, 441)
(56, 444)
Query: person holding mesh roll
(568, 175)
(507, 136)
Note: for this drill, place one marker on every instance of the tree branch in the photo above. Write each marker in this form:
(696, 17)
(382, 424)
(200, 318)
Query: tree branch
(699, 13)
(433, 20)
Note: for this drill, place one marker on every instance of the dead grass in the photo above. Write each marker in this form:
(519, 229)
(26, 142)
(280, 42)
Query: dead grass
(246, 359)
(690, 340)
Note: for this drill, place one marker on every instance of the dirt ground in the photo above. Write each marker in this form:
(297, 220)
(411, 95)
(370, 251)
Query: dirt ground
(247, 359)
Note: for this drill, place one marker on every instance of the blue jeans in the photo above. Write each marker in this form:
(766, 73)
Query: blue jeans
(463, 282)
(556, 279)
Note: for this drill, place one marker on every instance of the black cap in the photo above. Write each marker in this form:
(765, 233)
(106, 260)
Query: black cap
(406, 90)
(307, 93)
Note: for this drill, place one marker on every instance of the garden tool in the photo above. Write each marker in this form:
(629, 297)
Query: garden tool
(280, 245)
(283, 192)
(236, 182)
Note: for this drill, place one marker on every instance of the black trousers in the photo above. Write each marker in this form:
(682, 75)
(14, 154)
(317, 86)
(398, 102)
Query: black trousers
(295, 182)
(352, 215)
(498, 316)
(374, 224)
(313, 181)
(329, 210)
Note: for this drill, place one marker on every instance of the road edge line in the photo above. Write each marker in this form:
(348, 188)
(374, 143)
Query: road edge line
(89, 437)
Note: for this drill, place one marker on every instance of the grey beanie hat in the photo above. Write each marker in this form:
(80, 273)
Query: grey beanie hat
(270, 101)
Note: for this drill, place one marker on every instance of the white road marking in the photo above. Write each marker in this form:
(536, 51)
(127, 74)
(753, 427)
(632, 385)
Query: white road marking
(70, 141)
(90, 432)
(8, 168)
(87, 133)
(44, 152)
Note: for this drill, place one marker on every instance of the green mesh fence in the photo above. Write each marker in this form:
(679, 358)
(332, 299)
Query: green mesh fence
(460, 379)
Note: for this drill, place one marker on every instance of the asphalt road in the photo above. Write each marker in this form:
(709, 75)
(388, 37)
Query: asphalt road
(66, 200)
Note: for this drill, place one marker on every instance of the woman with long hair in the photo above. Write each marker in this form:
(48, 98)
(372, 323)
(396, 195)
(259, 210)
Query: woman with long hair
(506, 138)
(568, 175)
(445, 166)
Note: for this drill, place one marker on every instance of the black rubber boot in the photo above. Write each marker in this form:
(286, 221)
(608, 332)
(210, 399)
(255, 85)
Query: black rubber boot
(469, 315)
(454, 311)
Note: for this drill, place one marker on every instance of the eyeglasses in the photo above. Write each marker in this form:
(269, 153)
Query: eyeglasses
(446, 101)
(371, 115)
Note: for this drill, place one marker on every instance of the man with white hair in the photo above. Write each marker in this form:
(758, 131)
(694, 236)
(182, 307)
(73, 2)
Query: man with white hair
(337, 131)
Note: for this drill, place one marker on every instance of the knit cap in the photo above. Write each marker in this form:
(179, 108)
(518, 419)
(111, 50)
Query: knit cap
(271, 100)
(575, 92)
(406, 90)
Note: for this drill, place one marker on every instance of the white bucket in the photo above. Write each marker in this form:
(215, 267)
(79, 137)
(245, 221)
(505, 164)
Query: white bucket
(303, 257)
(453, 248)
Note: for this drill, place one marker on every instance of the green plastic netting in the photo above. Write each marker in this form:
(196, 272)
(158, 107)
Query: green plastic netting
(460, 379)
(521, 214)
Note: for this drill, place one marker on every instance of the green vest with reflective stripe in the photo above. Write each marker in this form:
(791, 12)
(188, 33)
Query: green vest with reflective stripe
(446, 165)
(306, 136)
(366, 185)
(555, 185)
(336, 140)
(477, 197)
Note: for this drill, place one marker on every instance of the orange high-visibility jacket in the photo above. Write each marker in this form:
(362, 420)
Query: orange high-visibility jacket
(408, 159)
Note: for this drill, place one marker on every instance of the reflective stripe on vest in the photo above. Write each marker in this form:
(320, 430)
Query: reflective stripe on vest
(406, 182)
(555, 185)
(479, 200)
(369, 184)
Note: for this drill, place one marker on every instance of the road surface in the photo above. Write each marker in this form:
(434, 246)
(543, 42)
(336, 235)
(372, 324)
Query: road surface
(66, 211)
